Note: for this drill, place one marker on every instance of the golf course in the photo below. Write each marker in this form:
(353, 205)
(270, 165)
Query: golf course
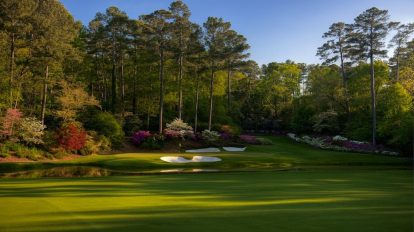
(281, 187)
(206, 116)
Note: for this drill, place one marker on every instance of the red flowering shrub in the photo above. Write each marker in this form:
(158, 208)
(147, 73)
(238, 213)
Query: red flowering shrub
(10, 121)
(71, 137)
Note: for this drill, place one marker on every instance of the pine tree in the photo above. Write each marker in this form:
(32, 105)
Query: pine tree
(53, 32)
(399, 42)
(215, 30)
(181, 31)
(371, 28)
(158, 29)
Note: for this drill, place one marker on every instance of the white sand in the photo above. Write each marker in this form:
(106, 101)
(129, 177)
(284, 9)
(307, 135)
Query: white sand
(205, 159)
(210, 149)
(172, 170)
(204, 170)
(175, 159)
(195, 159)
(234, 148)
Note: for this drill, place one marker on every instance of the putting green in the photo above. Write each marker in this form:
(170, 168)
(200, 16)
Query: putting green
(308, 200)
(284, 153)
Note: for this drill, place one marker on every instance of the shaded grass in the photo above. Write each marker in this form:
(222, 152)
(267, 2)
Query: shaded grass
(318, 200)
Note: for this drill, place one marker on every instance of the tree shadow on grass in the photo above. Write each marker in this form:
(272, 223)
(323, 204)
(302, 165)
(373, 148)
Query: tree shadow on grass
(288, 201)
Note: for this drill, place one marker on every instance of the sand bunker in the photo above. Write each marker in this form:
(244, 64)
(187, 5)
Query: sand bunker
(205, 159)
(195, 159)
(210, 149)
(234, 148)
(175, 159)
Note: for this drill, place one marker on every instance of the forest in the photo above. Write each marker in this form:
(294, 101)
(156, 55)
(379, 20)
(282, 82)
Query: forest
(67, 87)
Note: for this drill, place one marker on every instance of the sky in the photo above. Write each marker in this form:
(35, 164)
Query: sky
(276, 30)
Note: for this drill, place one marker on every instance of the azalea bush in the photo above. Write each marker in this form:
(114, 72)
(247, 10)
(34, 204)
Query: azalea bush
(71, 136)
(178, 129)
(9, 122)
(340, 143)
(210, 136)
(30, 131)
(139, 137)
(326, 122)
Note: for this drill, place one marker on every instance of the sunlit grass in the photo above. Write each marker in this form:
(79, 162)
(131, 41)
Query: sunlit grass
(323, 191)
(289, 201)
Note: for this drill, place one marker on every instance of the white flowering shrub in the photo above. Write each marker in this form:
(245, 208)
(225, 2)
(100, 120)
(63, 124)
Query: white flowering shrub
(178, 125)
(30, 131)
(291, 135)
(178, 129)
(339, 138)
(210, 136)
(339, 143)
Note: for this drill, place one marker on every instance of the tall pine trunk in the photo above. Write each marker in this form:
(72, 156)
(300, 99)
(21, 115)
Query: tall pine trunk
(122, 87)
(105, 92)
(113, 86)
(44, 93)
(12, 55)
(196, 101)
(180, 87)
(397, 76)
(134, 94)
(228, 89)
(373, 105)
(210, 116)
(344, 80)
(161, 103)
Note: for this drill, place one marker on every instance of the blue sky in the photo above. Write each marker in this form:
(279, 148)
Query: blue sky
(276, 30)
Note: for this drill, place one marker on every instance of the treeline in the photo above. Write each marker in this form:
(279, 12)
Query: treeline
(143, 72)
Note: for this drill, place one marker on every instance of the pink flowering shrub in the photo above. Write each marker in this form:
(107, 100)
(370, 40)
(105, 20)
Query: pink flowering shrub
(178, 129)
(10, 121)
(172, 134)
(139, 137)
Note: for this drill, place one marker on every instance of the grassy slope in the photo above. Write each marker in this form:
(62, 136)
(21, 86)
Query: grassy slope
(284, 153)
(263, 201)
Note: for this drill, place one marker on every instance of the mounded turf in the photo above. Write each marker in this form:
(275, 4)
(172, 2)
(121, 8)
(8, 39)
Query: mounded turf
(333, 191)
(284, 153)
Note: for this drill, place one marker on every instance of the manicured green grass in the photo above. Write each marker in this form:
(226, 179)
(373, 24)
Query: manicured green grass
(321, 200)
(331, 191)
(284, 153)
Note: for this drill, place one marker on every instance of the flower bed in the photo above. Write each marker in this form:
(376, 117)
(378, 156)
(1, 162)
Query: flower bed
(339, 143)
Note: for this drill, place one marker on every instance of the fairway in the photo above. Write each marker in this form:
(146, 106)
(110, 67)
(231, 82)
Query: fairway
(308, 200)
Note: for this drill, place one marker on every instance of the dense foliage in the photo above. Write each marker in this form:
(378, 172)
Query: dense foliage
(118, 75)
(71, 137)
